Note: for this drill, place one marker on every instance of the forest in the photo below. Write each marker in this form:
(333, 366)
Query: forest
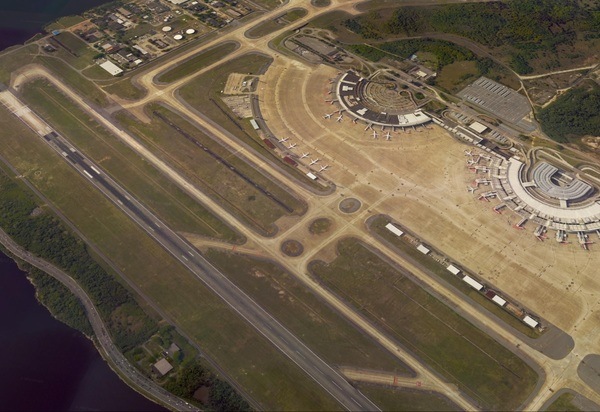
(40, 232)
(525, 26)
(573, 115)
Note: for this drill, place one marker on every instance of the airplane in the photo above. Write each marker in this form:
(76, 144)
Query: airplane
(388, 136)
(284, 139)
(469, 153)
(369, 126)
(328, 116)
(304, 155)
(374, 134)
(292, 145)
(583, 240)
(355, 120)
(471, 189)
(339, 119)
(323, 168)
(313, 161)
(471, 162)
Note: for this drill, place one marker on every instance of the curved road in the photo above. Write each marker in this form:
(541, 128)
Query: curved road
(108, 350)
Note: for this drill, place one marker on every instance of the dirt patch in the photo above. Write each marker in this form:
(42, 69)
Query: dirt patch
(320, 226)
(202, 394)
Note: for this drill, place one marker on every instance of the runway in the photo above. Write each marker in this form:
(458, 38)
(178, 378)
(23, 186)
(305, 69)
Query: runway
(336, 385)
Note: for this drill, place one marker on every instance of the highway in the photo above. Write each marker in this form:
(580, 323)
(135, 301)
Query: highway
(336, 385)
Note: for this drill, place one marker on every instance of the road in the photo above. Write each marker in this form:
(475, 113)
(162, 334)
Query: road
(336, 385)
(108, 350)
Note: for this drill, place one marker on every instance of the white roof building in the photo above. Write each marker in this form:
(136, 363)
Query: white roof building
(478, 127)
(111, 68)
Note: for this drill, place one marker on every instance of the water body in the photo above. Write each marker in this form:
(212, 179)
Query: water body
(46, 365)
(21, 20)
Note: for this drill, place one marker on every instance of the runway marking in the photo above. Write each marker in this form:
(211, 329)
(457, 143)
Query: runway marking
(338, 386)
(186, 259)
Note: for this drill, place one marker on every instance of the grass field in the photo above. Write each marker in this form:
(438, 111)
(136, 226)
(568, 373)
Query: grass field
(394, 399)
(201, 89)
(265, 373)
(124, 89)
(152, 188)
(237, 195)
(480, 366)
(63, 23)
(304, 314)
(73, 50)
(270, 26)
(564, 403)
(378, 226)
(197, 62)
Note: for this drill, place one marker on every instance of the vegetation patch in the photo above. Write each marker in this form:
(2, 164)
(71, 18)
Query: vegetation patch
(304, 314)
(149, 185)
(564, 403)
(573, 115)
(320, 226)
(275, 24)
(216, 178)
(203, 59)
(493, 375)
(292, 248)
(399, 399)
(526, 29)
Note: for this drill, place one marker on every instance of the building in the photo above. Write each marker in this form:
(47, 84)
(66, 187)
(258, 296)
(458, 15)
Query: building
(162, 367)
(111, 68)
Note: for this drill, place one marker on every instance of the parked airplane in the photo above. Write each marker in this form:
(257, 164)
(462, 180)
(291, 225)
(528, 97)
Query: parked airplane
(292, 145)
(328, 116)
(323, 168)
(369, 126)
(304, 155)
(388, 136)
(313, 161)
(471, 189)
(468, 153)
(355, 120)
(339, 119)
(374, 134)
(284, 139)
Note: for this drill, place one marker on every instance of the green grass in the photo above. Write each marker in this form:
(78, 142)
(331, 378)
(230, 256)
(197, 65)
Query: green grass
(201, 89)
(216, 179)
(378, 226)
(95, 72)
(277, 23)
(563, 403)
(63, 23)
(154, 190)
(124, 89)
(197, 62)
(395, 399)
(223, 335)
(304, 314)
(463, 354)
(78, 54)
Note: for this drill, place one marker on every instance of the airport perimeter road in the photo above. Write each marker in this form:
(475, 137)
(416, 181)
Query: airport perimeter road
(126, 370)
(336, 385)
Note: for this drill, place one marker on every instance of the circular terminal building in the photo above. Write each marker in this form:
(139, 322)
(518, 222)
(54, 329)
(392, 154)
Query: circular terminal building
(552, 198)
(378, 103)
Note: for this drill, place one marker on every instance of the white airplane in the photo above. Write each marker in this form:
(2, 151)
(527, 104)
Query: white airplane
(468, 153)
(304, 155)
(284, 139)
(292, 145)
(323, 168)
(328, 116)
(471, 162)
(374, 134)
(388, 136)
(339, 119)
(355, 120)
(369, 126)
(313, 161)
